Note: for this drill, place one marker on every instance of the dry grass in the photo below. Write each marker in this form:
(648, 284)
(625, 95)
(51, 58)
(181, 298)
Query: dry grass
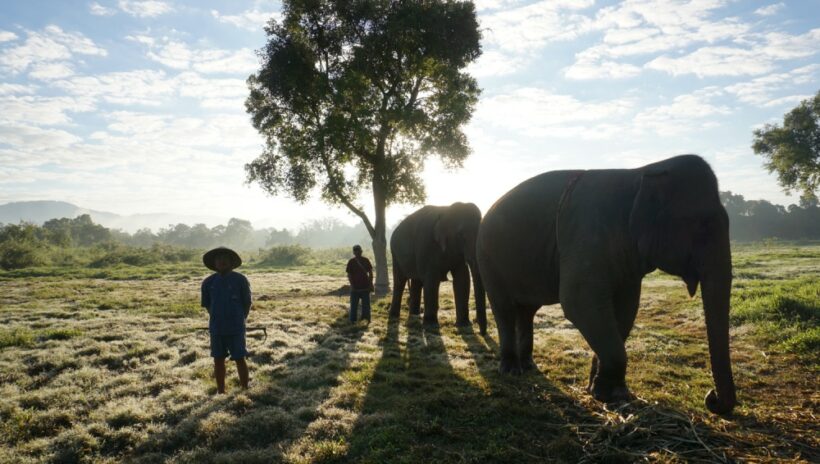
(101, 370)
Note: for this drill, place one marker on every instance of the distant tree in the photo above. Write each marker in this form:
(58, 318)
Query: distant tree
(144, 237)
(237, 233)
(793, 149)
(200, 236)
(279, 237)
(84, 232)
(58, 231)
(357, 94)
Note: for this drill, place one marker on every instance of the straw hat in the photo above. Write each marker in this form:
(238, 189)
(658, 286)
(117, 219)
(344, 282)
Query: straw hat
(210, 257)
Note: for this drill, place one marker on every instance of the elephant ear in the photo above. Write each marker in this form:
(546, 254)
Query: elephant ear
(440, 234)
(645, 218)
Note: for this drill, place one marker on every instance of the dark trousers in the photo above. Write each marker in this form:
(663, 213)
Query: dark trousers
(355, 296)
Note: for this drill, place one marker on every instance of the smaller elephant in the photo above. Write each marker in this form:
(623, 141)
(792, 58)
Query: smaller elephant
(427, 245)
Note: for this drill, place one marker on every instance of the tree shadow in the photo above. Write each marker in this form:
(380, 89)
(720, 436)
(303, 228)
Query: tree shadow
(260, 423)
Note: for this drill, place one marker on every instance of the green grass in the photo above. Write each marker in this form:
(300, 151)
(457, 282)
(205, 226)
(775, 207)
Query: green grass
(109, 365)
(786, 314)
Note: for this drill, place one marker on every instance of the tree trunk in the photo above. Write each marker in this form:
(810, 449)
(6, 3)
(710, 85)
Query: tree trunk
(380, 239)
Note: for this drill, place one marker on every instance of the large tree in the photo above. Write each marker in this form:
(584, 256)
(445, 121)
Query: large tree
(354, 95)
(793, 149)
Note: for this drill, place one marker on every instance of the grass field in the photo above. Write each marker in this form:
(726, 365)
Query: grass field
(109, 365)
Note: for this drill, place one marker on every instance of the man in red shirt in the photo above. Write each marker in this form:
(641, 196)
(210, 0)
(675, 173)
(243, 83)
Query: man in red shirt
(360, 276)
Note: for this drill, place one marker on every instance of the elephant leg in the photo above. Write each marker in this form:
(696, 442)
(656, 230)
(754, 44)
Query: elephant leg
(504, 314)
(524, 330)
(593, 371)
(414, 299)
(592, 312)
(626, 304)
(461, 292)
(399, 281)
(431, 286)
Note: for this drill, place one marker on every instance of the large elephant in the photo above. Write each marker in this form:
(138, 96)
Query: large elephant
(585, 239)
(427, 245)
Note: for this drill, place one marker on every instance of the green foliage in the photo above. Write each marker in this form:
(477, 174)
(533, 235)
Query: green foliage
(16, 254)
(356, 95)
(285, 255)
(761, 220)
(120, 254)
(793, 149)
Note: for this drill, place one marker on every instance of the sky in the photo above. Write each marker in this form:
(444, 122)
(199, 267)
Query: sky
(137, 106)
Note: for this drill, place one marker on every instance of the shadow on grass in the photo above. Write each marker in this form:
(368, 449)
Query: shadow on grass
(587, 431)
(258, 425)
(418, 408)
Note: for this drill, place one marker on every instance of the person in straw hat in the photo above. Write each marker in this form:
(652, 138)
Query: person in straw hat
(226, 295)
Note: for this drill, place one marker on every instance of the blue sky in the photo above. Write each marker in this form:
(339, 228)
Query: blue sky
(136, 106)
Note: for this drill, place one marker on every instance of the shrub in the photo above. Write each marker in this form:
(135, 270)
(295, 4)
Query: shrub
(19, 254)
(285, 255)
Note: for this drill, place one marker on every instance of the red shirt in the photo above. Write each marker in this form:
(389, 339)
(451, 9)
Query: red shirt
(357, 270)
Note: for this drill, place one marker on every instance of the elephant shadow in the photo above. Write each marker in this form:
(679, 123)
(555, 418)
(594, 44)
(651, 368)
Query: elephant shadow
(620, 433)
(424, 403)
(265, 420)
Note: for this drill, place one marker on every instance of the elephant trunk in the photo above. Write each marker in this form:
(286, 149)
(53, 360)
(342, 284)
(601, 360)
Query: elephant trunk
(716, 283)
(480, 296)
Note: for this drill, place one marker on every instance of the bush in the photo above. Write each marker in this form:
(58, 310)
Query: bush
(19, 254)
(131, 256)
(285, 255)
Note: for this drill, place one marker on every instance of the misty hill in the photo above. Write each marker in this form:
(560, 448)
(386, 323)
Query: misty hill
(38, 212)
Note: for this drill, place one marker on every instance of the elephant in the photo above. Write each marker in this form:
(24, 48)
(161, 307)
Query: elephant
(586, 239)
(425, 246)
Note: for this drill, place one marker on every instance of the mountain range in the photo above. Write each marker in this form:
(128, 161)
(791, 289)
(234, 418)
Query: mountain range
(38, 212)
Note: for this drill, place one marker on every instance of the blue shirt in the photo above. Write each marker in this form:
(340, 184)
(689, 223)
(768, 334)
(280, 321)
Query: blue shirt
(228, 299)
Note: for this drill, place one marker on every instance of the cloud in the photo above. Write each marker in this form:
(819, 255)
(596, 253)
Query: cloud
(7, 36)
(139, 87)
(50, 71)
(770, 9)
(48, 46)
(38, 110)
(252, 20)
(589, 64)
(529, 27)
(16, 89)
(714, 61)
(155, 88)
(538, 113)
(31, 138)
(760, 91)
(98, 10)
(180, 56)
(496, 63)
(686, 113)
(144, 8)
(757, 59)
(643, 27)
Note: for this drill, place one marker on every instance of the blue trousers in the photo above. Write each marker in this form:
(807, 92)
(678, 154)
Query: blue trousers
(355, 296)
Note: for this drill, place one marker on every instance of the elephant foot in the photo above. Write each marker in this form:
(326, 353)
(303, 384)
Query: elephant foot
(509, 367)
(527, 364)
(430, 324)
(718, 405)
(610, 395)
